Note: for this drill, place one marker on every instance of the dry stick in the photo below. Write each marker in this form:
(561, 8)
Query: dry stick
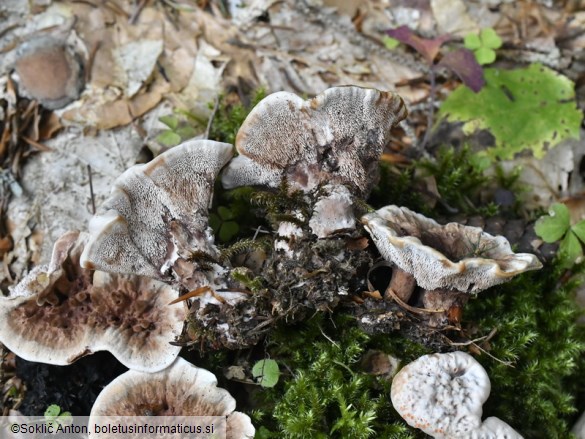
(137, 10)
(212, 117)
(91, 189)
(427, 137)
(413, 309)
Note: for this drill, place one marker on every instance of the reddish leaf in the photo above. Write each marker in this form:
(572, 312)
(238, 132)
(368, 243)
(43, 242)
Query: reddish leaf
(427, 48)
(463, 63)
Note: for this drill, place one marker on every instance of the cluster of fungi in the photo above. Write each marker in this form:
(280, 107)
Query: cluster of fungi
(116, 287)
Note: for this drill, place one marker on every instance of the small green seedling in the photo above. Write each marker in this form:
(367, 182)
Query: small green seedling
(54, 416)
(483, 45)
(266, 372)
(178, 130)
(390, 43)
(557, 225)
(223, 224)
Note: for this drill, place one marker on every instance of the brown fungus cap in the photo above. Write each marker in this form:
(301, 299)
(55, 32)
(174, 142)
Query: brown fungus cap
(49, 72)
(157, 212)
(337, 137)
(179, 390)
(85, 312)
(450, 256)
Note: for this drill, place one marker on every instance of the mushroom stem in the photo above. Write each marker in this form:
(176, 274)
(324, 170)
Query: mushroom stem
(402, 283)
(448, 301)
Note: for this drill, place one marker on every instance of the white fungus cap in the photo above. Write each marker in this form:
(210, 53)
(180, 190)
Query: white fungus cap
(337, 137)
(494, 428)
(72, 312)
(157, 212)
(450, 256)
(442, 394)
(179, 390)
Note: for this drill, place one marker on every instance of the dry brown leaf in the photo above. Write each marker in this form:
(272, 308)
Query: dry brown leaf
(50, 125)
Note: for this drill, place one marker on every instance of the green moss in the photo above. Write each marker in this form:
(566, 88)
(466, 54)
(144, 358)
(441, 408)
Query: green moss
(396, 187)
(460, 176)
(326, 394)
(535, 320)
(229, 118)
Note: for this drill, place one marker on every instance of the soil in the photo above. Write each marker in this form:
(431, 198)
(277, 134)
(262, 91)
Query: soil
(73, 388)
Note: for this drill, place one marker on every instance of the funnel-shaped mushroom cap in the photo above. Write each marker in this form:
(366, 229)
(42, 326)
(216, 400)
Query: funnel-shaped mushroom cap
(442, 394)
(157, 212)
(494, 428)
(180, 390)
(49, 72)
(336, 137)
(452, 256)
(84, 312)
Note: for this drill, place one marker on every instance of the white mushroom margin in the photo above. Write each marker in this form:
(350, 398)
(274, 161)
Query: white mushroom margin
(443, 395)
(179, 390)
(450, 256)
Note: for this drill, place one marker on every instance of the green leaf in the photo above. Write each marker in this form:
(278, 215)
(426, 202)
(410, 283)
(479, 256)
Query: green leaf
(579, 230)
(52, 411)
(390, 43)
(267, 372)
(570, 249)
(553, 226)
(168, 138)
(186, 132)
(532, 108)
(484, 55)
(228, 230)
(225, 213)
(171, 121)
(490, 38)
(472, 42)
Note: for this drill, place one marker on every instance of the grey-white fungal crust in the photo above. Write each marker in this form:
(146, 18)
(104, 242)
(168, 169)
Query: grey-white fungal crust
(49, 72)
(442, 394)
(179, 390)
(84, 312)
(336, 137)
(452, 256)
(494, 428)
(333, 212)
(157, 212)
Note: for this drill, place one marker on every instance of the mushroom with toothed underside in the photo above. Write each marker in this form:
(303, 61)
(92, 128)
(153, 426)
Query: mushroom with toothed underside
(63, 312)
(333, 140)
(337, 137)
(157, 214)
(449, 262)
(452, 256)
(180, 390)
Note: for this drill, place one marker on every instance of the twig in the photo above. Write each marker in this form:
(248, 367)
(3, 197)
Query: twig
(430, 119)
(91, 189)
(212, 117)
(137, 10)
(405, 305)
(328, 338)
